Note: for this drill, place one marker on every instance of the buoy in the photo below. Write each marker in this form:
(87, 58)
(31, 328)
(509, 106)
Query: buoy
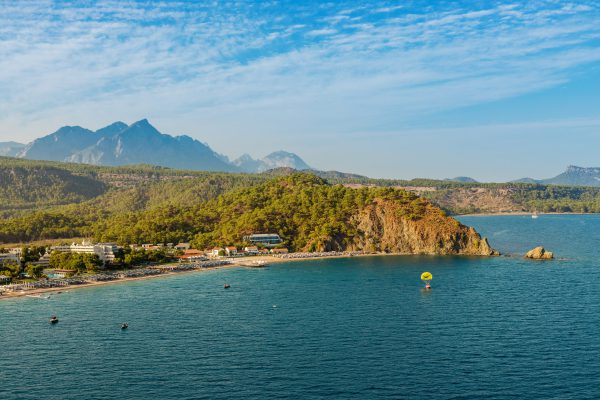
(427, 286)
(226, 286)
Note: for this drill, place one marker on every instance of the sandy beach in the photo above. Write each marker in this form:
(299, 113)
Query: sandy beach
(240, 262)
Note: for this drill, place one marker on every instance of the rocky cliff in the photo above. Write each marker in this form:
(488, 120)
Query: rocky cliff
(385, 226)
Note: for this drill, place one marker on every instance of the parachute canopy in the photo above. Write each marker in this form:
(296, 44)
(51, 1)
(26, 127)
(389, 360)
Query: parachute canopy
(426, 276)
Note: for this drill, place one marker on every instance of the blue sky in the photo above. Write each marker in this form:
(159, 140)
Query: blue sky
(491, 89)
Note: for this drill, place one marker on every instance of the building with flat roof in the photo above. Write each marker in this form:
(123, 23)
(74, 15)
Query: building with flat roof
(8, 257)
(104, 251)
(264, 239)
(231, 251)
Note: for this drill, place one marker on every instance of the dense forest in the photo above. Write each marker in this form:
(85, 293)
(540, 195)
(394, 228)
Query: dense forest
(52, 200)
(299, 206)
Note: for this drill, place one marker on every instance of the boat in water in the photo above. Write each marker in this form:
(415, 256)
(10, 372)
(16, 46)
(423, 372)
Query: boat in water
(124, 325)
(37, 296)
(226, 286)
(535, 215)
(54, 320)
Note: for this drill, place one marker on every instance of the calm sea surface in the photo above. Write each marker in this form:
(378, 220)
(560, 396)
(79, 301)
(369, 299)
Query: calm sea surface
(359, 328)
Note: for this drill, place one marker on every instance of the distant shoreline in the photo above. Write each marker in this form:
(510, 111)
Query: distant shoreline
(519, 213)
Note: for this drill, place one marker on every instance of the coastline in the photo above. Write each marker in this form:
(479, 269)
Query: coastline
(241, 262)
(519, 213)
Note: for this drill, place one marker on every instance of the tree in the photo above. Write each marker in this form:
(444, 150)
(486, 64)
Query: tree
(10, 268)
(34, 270)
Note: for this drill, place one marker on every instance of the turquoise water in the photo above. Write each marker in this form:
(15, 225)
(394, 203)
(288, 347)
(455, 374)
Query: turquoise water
(360, 328)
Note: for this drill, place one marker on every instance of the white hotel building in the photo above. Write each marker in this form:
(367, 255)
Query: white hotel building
(104, 251)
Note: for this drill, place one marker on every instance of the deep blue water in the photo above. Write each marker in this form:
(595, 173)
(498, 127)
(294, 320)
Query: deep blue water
(360, 328)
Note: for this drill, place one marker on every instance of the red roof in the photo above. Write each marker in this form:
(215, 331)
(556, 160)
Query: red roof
(192, 252)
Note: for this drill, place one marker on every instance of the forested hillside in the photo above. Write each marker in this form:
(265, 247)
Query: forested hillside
(30, 186)
(309, 214)
(41, 185)
(52, 200)
(472, 197)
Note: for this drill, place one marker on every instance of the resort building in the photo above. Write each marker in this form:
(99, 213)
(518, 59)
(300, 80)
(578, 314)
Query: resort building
(17, 251)
(182, 246)
(192, 255)
(231, 251)
(44, 260)
(216, 251)
(280, 251)
(8, 257)
(251, 250)
(104, 251)
(264, 239)
(5, 279)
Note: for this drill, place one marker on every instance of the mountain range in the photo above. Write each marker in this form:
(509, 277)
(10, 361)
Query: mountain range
(10, 149)
(140, 143)
(573, 176)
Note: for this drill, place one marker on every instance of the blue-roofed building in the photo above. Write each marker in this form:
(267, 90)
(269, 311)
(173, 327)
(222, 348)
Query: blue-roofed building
(264, 239)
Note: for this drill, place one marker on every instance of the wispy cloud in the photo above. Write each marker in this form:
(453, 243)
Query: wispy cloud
(268, 68)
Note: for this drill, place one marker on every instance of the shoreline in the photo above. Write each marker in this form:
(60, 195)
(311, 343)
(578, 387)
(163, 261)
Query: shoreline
(241, 262)
(518, 213)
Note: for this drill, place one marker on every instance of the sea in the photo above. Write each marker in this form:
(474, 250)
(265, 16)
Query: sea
(355, 328)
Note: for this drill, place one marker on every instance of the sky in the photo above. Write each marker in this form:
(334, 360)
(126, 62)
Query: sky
(495, 90)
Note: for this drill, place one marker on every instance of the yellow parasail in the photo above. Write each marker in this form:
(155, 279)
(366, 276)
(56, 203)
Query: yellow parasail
(426, 276)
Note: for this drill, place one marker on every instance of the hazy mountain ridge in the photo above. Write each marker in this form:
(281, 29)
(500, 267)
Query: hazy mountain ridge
(573, 176)
(10, 149)
(141, 143)
(464, 179)
(277, 159)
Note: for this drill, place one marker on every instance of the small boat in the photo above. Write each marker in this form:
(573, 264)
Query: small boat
(124, 325)
(226, 286)
(53, 319)
(38, 296)
(534, 215)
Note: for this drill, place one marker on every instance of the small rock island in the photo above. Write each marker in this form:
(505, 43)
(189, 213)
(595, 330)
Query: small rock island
(539, 253)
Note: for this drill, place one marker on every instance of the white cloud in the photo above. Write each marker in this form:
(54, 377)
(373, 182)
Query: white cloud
(272, 72)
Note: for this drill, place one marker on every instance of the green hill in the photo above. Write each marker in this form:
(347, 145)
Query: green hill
(25, 185)
(305, 210)
(52, 200)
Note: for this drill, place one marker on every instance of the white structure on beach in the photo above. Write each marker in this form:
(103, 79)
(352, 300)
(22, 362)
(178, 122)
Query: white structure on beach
(8, 257)
(265, 239)
(251, 250)
(104, 251)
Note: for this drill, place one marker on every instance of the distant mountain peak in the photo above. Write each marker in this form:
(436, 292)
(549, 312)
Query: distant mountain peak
(573, 176)
(10, 149)
(112, 129)
(122, 144)
(274, 160)
(141, 143)
(463, 179)
(584, 170)
(142, 123)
